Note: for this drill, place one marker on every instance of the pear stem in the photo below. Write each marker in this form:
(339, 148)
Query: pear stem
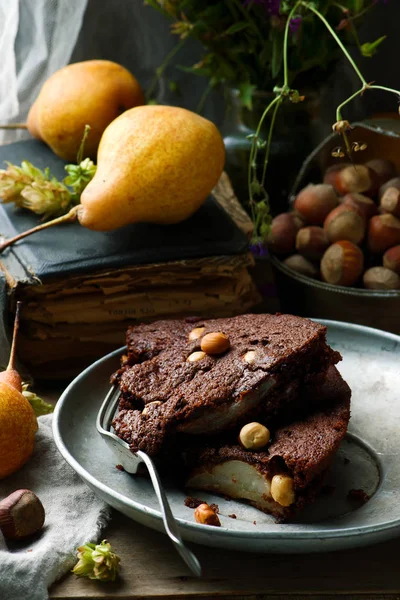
(72, 215)
(13, 126)
(11, 362)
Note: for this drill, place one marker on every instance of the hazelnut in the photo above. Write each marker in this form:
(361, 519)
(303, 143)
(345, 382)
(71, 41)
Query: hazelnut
(345, 223)
(384, 169)
(21, 515)
(315, 202)
(215, 343)
(302, 265)
(196, 333)
(205, 515)
(395, 182)
(365, 207)
(254, 435)
(342, 263)
(330, 173)
(282, 490)
(390, 201)
(282, 236)
(311, 242)
(391, 259)
(381, 278)
(383, 233)
(195, 356)
(356, 178)
(250, 356)
(146, 408)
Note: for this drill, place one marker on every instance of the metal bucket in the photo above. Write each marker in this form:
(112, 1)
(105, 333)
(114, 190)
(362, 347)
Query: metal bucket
(304, 296)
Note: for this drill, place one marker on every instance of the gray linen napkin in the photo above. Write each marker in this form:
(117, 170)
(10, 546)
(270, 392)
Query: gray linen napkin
(74, 515)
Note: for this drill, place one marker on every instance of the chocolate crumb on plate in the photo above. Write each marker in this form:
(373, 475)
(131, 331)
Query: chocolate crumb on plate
(359, 497)
(192, 502)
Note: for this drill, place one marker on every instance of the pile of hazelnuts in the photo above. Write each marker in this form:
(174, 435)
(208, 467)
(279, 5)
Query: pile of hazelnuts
(345, 230)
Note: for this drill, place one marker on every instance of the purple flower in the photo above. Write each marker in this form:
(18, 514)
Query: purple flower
(295, 24)
(258, 248)
(271, 6)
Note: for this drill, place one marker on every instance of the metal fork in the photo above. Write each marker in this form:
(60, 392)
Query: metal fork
(131, 461)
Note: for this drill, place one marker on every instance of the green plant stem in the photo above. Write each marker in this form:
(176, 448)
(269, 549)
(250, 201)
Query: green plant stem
(335, 37)
(358, 93)
(253, 154)
(385, 89)
(72, 215)
(271, 129)
(285, 45)
(163, 66)
(82, 144)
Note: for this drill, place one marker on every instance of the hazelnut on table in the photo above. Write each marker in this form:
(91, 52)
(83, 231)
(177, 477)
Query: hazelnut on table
(21, 515)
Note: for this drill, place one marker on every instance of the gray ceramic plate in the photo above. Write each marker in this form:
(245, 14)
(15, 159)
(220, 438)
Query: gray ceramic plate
(369, 459)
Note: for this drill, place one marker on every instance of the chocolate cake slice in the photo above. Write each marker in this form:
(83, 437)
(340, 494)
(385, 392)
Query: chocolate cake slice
(171, 387)
(285, 475)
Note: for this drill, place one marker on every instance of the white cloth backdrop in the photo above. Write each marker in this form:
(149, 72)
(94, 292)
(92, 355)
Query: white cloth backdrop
(37, 37)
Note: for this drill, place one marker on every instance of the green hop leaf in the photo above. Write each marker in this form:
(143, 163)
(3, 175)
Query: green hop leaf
(39, 406)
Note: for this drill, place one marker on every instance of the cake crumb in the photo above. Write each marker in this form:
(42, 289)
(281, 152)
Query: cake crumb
(254, 522)
(193, 502)
(215, 508)
(232, 516)
(358, 497)
(119, 467)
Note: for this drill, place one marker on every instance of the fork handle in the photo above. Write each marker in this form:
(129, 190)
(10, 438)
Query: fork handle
(169, 521)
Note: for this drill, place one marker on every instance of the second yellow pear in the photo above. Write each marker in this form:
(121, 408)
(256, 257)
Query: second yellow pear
(92, 92)
(156, 164)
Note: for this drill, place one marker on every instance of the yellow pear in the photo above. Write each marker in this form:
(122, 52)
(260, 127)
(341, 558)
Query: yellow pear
(18, 423)
(18, 426)
(92, 92)
(156, 164)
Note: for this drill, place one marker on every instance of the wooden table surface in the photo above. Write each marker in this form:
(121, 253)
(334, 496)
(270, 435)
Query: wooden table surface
(150, 568)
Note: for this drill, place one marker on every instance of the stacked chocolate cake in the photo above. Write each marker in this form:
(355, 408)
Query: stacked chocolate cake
(252, 405)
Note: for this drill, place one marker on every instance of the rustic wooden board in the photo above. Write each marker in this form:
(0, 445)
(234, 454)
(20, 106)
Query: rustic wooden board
(150, 568)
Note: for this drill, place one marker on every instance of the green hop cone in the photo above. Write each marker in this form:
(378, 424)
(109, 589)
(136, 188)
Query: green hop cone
(14, 179)
(97, 562)
(47, 198)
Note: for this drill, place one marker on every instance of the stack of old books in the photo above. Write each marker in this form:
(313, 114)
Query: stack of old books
(80, 289)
